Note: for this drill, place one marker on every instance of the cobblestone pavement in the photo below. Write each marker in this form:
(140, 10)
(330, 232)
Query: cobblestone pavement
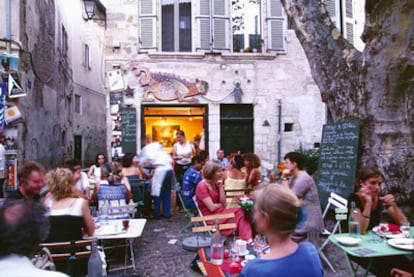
(159, 251)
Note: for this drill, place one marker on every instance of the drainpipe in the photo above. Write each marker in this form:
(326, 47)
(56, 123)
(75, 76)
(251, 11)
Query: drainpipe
(279, 130)
(8, 25)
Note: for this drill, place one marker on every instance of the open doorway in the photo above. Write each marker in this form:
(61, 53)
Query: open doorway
(160, 123)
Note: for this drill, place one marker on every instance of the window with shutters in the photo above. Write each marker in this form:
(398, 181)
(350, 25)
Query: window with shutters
(211, 25)
(276, 26)
(343, 16)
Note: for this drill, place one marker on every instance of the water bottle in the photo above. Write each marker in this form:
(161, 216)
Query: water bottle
(216, 248)
(103, 213)
(95, 262)
(354, 227)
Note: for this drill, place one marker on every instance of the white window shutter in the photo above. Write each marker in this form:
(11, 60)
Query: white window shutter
(349, 20)
(147, 25)
(221, 26)
(333, 7)
(203, 20)
(277, 27)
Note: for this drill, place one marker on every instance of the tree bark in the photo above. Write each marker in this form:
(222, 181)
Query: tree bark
(375, 86)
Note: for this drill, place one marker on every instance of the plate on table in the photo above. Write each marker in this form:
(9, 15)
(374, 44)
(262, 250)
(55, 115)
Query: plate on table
(402, 243)
(389, 234)
(244, 253)
(348, 241)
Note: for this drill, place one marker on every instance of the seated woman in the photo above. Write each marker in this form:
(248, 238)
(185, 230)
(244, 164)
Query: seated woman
(276, 216)
(234, 178)
(369, 206)
(211, 199)
(112, 187)
(69, 216)
(369, 203)
(251, 165)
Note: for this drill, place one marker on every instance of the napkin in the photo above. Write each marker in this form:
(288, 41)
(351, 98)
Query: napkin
(393, 228)
(226, 265)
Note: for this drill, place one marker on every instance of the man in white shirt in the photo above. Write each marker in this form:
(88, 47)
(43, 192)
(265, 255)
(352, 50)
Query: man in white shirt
(81, 178)
(23, 225)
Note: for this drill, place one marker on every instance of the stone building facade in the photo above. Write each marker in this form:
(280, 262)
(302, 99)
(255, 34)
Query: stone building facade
(280, 104)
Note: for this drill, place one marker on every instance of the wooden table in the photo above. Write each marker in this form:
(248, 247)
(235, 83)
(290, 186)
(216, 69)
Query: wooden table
(114, 230)
(367, 249)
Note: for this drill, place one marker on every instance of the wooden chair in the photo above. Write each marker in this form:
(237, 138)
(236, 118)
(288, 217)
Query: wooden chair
(61, 251)
(204, 219)
(233, 193)
(203, 230)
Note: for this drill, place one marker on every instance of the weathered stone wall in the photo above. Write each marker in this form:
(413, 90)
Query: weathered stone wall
(51, 79)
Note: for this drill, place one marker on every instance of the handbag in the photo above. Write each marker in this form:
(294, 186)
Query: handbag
(43, 259)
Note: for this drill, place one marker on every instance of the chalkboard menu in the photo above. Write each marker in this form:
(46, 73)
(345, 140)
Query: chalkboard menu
(129, 130)
(338, 159)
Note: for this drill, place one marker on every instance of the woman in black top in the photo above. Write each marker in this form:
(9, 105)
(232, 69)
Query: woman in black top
(369, 203)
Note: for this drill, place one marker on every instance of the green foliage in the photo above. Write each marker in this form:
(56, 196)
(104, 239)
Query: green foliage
(311, 157)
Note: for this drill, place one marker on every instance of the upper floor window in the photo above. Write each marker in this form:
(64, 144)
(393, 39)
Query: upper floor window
(87, 57)
(176, 25)
(211, 25)
(78, 104)
(63, 42)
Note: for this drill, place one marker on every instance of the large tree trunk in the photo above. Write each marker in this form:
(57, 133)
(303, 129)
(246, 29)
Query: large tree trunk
(375, 86)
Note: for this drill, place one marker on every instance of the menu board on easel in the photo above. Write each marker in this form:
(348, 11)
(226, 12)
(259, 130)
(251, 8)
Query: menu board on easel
(129, 129)
(338, 159)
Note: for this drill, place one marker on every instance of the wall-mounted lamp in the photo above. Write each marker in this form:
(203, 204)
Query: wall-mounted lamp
(266, 123)
(92, 7)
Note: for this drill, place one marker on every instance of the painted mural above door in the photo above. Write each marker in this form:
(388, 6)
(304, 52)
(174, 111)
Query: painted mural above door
(168, 87)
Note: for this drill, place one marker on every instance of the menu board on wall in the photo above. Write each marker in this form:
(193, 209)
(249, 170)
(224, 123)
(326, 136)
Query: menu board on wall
(338, 159)
(129, 129)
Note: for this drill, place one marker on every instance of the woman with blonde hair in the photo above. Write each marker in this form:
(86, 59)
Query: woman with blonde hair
(211, 200)
(276, 214)
(69, 215)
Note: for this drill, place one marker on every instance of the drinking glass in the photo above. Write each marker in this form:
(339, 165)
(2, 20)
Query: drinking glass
(405, 229)
(259, 244)
(235, 247)
(233, 253)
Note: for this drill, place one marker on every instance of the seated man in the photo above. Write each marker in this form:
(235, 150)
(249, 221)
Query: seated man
(30, 177)
(191, 178)
(23, 225)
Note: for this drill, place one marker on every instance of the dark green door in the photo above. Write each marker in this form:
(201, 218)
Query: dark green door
(236, 127)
